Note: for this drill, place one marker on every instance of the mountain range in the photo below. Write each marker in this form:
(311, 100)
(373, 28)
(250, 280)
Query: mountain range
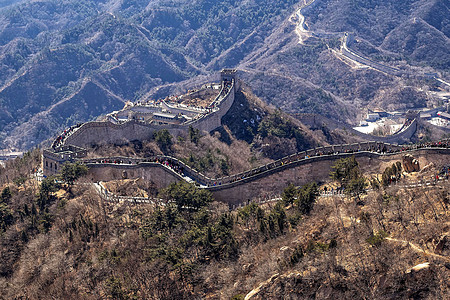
(64, 62)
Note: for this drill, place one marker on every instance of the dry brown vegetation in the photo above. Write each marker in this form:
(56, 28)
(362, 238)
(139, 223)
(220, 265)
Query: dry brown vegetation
(131, 187)
(376, 246)
(209, 155)
(341, 250)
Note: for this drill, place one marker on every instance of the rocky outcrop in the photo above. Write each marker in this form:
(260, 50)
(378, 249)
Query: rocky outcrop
(418, 268)
(410, 164)
(443, 246)
(427, 168)
(292, 285)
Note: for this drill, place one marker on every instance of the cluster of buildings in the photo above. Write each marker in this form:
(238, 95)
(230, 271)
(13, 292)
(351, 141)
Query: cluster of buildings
(396, 120)
(171, 110)
(375, 119)
(8, 154)
(201, 108)
(439, 116)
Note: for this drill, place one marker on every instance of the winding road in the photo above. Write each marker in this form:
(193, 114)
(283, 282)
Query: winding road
(356, 58)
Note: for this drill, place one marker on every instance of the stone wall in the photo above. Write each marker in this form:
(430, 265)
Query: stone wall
(402, 137)
(213, 120)
(152, 172)
(54, 160)
(365, 61)
(96, 133)
(316, 169)
(261, 183)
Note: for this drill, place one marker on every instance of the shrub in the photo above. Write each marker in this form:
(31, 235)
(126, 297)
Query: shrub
(70, 172)
(194, 135)
(377, 239)
(289, 194)
(307, 196)
(6, 195)
(6, 217)
(186, 195)
(164, 140)
(297, 255)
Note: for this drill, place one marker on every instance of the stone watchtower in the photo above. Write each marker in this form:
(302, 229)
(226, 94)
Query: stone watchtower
(229, 75)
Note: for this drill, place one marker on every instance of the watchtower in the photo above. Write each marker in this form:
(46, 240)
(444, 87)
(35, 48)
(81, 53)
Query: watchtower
(229, 75)
(54, 158)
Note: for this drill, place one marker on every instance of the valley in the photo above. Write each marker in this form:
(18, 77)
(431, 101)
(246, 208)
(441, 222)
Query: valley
(243, 150)
(314, 76)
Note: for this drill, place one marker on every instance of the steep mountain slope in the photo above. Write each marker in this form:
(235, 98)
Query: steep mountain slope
(126, 48)
(67, 242)
(50, 50)
(415, 30)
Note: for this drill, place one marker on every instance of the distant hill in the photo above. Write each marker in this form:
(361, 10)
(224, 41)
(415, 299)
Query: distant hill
(63, 62)
(417, 31)
(51, 50)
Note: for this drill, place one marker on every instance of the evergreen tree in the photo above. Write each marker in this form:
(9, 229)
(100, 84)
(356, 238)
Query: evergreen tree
(6, 195)
(289, 194)
(194, 135)
(164, 140)
(71, 172)
(307, 196)
(346, 171)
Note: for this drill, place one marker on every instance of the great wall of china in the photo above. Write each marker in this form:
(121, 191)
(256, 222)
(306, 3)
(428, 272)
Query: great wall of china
(403, 135)
(92, 133)
(299, 168)
(259, 183)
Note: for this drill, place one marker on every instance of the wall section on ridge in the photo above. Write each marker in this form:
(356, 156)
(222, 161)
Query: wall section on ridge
(316, 169)
(98, 133)
(401, 137)
(272, 181)
(152, 172)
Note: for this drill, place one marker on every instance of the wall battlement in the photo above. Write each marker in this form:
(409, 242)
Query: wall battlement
(95, 133)
(259, 181)
(106, 132)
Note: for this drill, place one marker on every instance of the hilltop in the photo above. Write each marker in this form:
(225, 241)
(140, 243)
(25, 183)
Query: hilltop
(251, 134)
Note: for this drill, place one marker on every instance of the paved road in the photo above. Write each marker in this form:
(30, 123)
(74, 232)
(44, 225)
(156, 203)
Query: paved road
(303, 33)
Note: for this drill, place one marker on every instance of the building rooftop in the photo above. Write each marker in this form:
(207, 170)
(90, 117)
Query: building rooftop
(443, 115)
(165, 115)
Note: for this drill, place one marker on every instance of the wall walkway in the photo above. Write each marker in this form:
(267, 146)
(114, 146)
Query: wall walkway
(299, 169)
(94, 133)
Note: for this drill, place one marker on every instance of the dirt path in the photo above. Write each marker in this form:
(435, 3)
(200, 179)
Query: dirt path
(419, 250)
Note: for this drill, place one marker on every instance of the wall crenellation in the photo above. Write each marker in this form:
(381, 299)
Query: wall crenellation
(253, 183)
(92, 133)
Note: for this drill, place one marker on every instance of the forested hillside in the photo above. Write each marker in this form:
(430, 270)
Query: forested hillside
(63, 240)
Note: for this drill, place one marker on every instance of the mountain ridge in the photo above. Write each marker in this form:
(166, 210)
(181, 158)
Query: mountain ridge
(133, 49)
